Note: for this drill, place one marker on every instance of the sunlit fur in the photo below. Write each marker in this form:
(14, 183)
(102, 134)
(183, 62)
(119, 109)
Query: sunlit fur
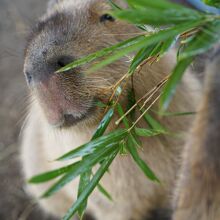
(77, 31)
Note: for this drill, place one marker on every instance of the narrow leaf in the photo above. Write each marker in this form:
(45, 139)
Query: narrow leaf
(158, 17)
(123, 148)
(153, 123)
(131, 102)
(174, 114)
(44, 177)
(158, 4)
(85, 165)
(214, 3)
(147, 132)
(172, 83)
(168, 44)
(93, 183)
(85, 177)
(103, 124)
(100, 53)
(93, 145)
(121, 114)
(203, 40)
(149, 40)
(84, 180)
(142, 54)
(131, 145)
(104, 192)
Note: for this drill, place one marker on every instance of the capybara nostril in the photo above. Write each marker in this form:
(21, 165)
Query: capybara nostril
(41, 70)
(64, 60)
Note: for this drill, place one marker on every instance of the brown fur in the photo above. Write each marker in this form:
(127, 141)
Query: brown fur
(73, 28)
(198, 193)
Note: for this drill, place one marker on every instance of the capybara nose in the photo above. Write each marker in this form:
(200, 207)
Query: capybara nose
(41, 70)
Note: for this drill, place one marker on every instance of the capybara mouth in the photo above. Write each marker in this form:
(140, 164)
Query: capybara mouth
(71, 120)
(62, 118)
(63, 107)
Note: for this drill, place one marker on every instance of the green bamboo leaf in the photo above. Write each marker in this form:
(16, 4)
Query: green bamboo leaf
(142, 54)
(156, 49)
(203, 40)
(148, 41)
(173, 114)
(123, 148)
(93, 183)
(169, 43)
(115, 7)
(84, 180)
(159, 4)
(131, 102)
(100, 53)
(214, 3)
(172, 83)
(85, 177)
(44, 177)
(152, 122)
(84, 166)
(158, 17)
(104, 192)
(103, 124)
(127, 125)
(121, 114)
(131, 146)
(159, 49)
(93, 145)
(147, 132)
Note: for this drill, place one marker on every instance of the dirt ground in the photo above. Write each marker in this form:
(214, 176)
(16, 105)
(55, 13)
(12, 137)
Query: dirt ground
(16, 18)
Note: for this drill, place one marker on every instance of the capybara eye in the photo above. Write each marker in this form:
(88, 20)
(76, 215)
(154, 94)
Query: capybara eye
(106, 17)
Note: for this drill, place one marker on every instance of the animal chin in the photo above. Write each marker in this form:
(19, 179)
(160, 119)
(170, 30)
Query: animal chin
(71, 120)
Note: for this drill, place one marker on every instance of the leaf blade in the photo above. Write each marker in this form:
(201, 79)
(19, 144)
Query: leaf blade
(82, 167)
(93, 56)
(95, 180)
(143, 166)
(147, 41)
(44, 177)
(203, 40)
(91, 146)
(170, 86)
(147, 132)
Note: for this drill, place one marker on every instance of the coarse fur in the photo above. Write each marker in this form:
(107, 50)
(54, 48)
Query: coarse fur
(197, 195)
(72, 29)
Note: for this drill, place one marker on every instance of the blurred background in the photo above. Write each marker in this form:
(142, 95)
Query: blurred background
(16, 19)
